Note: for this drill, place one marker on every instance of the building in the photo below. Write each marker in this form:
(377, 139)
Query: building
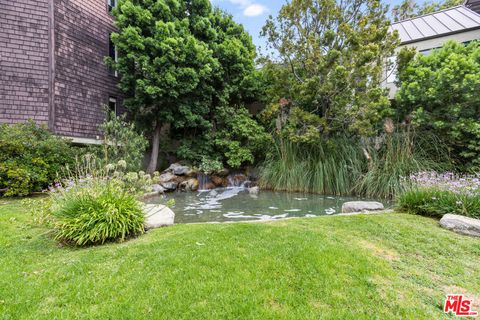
(431, 31)
(52, 65)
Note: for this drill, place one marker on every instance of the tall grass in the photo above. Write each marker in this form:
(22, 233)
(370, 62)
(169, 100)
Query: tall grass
(342, 166)
(330, 167)
(402, 154)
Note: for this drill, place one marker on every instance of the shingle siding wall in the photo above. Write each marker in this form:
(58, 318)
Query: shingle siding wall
(83, 82)
(24, 60)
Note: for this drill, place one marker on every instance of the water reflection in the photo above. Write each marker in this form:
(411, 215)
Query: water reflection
(236, 204)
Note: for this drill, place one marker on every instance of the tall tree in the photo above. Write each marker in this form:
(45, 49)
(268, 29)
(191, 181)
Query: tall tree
(410, 8)
(178, 61)
(329, 57)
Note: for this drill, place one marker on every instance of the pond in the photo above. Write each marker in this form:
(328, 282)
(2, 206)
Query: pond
(237, 204)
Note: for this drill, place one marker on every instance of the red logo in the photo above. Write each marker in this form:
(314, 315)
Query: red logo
(459, 305)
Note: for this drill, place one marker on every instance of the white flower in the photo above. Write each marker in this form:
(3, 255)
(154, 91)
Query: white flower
(122, 164)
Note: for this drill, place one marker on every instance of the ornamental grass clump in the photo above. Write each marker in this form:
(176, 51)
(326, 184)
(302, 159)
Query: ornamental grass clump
(433, 194)
(95, 212)
(95, 204)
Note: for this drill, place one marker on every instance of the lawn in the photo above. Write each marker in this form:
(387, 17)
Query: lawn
(345, 267)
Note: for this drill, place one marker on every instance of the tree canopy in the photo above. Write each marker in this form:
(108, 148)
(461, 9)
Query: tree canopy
(410, 8)
(179, 61)
(439, 92)
(327, 63)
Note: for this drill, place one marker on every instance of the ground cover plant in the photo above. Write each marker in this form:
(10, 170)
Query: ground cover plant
(352, 267)
(434, 194)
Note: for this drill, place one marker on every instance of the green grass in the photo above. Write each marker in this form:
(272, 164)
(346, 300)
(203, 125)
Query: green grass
(433, 202)
(346, 267)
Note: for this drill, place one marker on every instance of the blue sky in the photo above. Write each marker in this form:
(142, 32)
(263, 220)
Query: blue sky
(253, 13)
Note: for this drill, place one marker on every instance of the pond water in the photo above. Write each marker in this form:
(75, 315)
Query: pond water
(237, 204)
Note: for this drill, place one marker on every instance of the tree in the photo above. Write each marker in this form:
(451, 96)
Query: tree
(178, 61)
(439, 93)
(410, 9)
(328, 61)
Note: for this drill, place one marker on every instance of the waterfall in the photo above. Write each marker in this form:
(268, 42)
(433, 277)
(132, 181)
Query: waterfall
(203, 180)
(238, 180)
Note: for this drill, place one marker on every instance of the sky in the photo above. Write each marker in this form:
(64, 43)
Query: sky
(253, 13)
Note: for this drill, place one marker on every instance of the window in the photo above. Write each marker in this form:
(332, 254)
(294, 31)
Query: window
(111, 4)
(112, 105)
(391, 69)
(112, 53)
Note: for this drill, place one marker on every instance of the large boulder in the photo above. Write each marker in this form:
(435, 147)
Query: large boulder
(191, 184)
(219, 181)
(222, 173)
(158, 188)
(166, 177)
(179, 170)
(169, 186)
(461, 224)
(157, 215)
(360, 206)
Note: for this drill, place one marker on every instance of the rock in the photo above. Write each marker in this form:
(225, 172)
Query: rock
(157, 215)
(157, 188)
(169, 186)
(209, 186)
(461, 224)
(149, 195)
(219, 181)
(359, 206)
(166, 177)
(179, 170)
(222, 173)
(253, 190)
(191, 184)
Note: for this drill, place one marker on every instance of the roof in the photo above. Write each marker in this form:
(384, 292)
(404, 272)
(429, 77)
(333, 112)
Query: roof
(473, 5)
(452, 20)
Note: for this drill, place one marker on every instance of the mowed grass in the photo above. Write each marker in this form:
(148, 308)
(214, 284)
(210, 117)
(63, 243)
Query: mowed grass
(346, 267)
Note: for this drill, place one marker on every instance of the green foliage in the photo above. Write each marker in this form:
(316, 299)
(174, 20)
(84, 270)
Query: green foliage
(440, 93)
(434, 202)
(306, 264)
(331, 167)
(410, 8)
(30, 158)
(96, 212)
(179, 62)
(121, 141)
(88, 169)
(372, 167)
(402, 154)
(209, 165)
(329, 61)
(240, 138)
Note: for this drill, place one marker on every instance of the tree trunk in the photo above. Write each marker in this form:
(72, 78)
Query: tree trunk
(152, 166)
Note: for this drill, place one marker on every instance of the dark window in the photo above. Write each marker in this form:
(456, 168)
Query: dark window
(112, 53)
(112, 105)
(111, 4)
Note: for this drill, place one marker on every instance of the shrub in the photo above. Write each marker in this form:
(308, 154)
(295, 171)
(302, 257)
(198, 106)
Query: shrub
(122, 141)
(434, 195)
(95, 212)
(30, 158)
(439, 92)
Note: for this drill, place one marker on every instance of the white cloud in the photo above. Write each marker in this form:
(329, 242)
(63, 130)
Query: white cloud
(250, 9)
(254, 10)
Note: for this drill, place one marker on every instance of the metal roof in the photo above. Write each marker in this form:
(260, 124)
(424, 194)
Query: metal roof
(437, 24)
